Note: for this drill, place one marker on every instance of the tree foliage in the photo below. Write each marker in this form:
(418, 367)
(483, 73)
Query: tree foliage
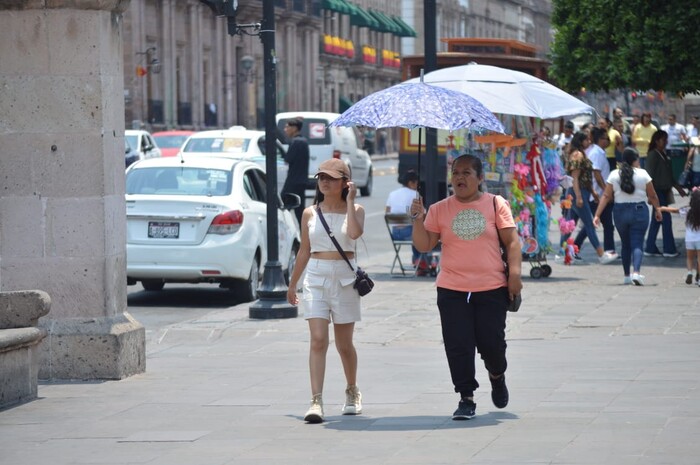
(636, 44)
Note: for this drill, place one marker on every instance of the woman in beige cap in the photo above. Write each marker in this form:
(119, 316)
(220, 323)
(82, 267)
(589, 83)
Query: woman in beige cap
(328, 293)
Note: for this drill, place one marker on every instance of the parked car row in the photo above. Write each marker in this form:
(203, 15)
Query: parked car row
(197, 206)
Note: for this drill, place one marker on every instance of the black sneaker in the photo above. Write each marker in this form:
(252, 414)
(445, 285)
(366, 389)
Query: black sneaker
(499, 391)
(465, 410)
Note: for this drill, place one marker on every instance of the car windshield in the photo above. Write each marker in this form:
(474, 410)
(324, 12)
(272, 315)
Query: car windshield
(232, 145)
(170, 142)
(178, 181)
(132, 140)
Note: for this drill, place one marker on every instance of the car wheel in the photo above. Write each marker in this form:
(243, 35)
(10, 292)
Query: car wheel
(247, 289)
(152, 284)
(367, 190)
(291, 263)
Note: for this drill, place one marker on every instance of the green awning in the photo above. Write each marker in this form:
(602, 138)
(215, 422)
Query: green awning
(344, 103)
(407, 31)
(385, 24)
(360, 18)
(336, 5)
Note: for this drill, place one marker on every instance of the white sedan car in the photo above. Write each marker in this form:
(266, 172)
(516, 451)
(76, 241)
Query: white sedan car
(203, 219)
(236, 142)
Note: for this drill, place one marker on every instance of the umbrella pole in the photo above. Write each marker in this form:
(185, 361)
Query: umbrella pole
(420, 132)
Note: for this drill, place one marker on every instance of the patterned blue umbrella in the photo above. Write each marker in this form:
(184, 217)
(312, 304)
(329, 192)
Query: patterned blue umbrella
(412, 105)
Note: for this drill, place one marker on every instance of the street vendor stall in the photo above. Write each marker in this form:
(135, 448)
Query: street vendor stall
(524, 170)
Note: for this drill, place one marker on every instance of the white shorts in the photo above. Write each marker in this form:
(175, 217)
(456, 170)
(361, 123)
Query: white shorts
(328, 291)
(692, 245)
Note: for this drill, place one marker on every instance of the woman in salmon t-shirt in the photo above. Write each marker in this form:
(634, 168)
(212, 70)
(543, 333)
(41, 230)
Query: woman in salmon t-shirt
(472, 290)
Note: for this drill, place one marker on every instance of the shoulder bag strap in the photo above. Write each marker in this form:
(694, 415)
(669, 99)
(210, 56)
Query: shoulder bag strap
(333, 239)
(501, 245)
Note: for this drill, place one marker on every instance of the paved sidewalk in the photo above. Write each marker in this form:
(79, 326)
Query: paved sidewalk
(599, 373)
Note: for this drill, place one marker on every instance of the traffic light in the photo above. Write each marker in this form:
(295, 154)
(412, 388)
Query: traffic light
(225, 8)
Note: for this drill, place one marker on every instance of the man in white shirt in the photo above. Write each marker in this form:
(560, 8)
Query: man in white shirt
(601, 170)
(564, 139)
(399, 202)
(676, 135)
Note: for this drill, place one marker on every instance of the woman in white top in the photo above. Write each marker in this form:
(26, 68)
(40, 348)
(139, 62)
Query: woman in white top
(631, 189)
(328, 284)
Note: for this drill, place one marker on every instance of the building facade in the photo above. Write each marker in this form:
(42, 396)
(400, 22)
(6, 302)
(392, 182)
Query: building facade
(183, 70)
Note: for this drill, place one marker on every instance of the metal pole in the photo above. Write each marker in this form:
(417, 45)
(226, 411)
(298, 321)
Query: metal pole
(272, 302)
(432, 178)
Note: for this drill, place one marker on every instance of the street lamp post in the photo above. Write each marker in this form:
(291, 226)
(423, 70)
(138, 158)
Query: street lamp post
(272, 302)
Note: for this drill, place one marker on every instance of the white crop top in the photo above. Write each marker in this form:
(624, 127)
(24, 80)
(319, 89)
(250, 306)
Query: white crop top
(338, 224)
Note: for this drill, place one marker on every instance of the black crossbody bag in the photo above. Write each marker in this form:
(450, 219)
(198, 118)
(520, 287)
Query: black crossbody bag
(513, 305)
(363, 283)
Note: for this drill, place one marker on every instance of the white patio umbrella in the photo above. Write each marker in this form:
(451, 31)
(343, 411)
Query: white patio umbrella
(508, 92)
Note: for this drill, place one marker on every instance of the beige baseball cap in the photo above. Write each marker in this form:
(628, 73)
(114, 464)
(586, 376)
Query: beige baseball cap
(335, 168)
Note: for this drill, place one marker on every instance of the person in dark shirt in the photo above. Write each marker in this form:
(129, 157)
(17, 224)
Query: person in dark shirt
(297, 157)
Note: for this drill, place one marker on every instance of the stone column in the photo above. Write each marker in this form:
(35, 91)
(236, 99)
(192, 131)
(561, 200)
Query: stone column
(62, 213)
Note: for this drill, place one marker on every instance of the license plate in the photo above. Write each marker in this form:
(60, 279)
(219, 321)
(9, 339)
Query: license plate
(161, 230)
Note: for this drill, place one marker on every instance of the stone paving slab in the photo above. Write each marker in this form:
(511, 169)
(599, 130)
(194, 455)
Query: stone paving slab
(599, 373)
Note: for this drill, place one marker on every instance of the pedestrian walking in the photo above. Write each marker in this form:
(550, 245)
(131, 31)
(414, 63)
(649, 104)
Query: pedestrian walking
(629, 189)
(328, 293)
(473, 292)
(297, 157)
(691, 214)
(581, 170)
(660, 170)
(596, 152)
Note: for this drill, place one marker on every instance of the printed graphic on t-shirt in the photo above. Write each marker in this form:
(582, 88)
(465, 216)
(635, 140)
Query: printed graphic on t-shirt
(469, 224)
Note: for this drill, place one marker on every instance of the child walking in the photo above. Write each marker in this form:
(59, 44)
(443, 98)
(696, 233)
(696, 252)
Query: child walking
(692, 234)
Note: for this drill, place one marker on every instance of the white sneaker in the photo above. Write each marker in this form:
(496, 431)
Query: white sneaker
(315, 412)
(638, 279)
(606, 258)
(628, 280)
(353, 401)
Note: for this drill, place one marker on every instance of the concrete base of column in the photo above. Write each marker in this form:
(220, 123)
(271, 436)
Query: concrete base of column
(105, 348)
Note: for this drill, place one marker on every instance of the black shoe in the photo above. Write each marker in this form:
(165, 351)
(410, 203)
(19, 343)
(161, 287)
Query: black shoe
(499, 391)
(465, 410)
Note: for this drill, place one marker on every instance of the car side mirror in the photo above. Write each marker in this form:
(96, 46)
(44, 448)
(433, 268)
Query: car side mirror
(290, 201)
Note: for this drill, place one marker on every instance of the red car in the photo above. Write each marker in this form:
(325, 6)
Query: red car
(170, 142)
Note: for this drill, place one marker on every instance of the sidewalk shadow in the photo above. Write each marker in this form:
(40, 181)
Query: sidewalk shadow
(411, 422)
(184, 297)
